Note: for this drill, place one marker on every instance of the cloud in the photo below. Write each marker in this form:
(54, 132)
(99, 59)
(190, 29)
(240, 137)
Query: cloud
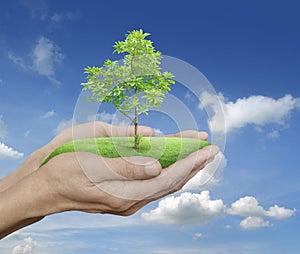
(5, 151)
(189, 96)
(63, 124)
(18, 61)
(214, 104)
(248, 206)
(186, 208)
(46, 56)
(113, 249)
(26, 134)
(228, 227)
(255, 110)
(208, 176)
(115, 119)
(65, 16)
(198, 208)
(102, 117)
(196, 236)
(39, 10)
(49, 114)
(27, 247)
(273, 134)
(254, 223)
(158, 133)
(44, 59)
(279, 212)
(8, 152)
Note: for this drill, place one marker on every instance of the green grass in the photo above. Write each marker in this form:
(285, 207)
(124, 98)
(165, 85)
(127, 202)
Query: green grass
(167, 150)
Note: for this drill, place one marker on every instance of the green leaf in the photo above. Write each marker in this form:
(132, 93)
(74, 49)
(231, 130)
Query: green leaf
(140, 73)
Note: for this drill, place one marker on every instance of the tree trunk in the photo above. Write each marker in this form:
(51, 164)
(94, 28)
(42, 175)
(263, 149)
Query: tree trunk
(136, 122)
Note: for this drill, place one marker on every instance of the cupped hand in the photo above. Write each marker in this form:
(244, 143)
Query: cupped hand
(87, 130)
(90, 183)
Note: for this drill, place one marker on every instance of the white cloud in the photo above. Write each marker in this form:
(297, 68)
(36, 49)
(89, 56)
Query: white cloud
(8, 152)
(46, 56)
(279, 212)
(189, 96)
(63, 124)
(214, 104)
(3, 128)
(196, 236)
(158, 133)
(273, 134)
(26, 134)
(18, 61)
(113, 249)
(186, 208)
(102, 117)
(198, 208)
(65, 16)
(5, 151)
(27, 247)
(44, 59)
(255, 110)
(248, 206)
(254, 223)
(49, 114)
(208, 176)
(115, 119)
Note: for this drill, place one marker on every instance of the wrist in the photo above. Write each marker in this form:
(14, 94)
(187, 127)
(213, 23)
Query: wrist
(30, 165)
(26, 202)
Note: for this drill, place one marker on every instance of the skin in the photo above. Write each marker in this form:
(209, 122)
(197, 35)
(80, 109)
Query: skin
(115, 186)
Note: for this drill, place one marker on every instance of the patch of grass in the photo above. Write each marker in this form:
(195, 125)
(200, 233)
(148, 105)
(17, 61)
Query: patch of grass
(167, 150)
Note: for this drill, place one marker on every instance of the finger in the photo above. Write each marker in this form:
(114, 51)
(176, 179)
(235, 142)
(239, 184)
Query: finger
(135, 167)
(172, 177)
(121, 131)
(81, 131)
(141, 203)
(99, 169)
(97, 129)
(190, 134)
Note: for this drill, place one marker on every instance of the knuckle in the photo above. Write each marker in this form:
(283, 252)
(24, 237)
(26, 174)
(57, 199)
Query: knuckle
(128, 171)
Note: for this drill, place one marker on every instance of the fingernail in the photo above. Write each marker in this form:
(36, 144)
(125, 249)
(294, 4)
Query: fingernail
(213, 150)
(153, 169)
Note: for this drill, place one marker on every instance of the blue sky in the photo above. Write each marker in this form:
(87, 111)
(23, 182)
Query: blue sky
(250, 53)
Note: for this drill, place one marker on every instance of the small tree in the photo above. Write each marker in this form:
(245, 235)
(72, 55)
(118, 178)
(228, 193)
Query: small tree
(137, 84)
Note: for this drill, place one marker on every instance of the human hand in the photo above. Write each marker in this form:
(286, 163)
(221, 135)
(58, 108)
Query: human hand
(87, 130)
(90, 183)
(118, 188)
(30, 195)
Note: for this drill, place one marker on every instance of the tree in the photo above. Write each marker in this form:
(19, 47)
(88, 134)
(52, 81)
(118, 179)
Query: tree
(136, 84)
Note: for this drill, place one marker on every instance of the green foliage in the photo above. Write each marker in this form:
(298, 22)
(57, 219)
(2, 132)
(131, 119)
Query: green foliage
(139, 73)
(139, 138)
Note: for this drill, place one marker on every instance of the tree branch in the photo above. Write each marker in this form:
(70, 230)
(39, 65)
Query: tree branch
(125, 114)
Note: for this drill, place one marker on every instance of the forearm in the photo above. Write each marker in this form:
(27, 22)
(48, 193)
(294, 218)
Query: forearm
(30, 165)
(25, 203)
